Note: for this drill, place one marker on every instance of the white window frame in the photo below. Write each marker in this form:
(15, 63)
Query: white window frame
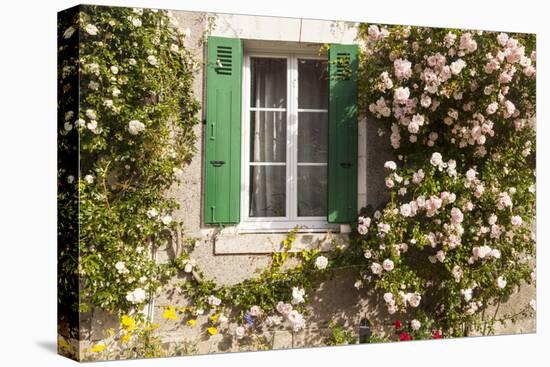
(291, 220)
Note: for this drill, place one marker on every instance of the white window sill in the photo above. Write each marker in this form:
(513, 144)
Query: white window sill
(285, 226)
(233, 241)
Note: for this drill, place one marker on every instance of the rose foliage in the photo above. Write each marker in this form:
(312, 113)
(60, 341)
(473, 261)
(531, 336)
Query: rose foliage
(133, 122)
(457, 235)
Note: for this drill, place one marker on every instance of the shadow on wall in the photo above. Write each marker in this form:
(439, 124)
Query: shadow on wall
(338, 300)
(379, 151)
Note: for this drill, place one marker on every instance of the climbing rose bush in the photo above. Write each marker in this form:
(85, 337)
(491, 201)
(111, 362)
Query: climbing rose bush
(457, 234)
(133, 125)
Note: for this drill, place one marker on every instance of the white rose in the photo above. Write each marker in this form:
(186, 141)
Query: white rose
(152, 213)
(174, 48)
(136, 22)
(321, 262)
(437, 159)
(517, 221)
(120, 267)
(405, 210)
(414, 299)
(415, 324)
(362, 229)
(457, 66)
(91, 29)
(152, 60)
(376, 268)
(89, 179)
(213, 300)
(296, 320)
(401, 94)
(456, 216)
(136, 296)
(255, 311)
(273, 320)
(390, 165)
(457, 273)
(388, 265)
(92, 126)
(501, 282)
(114, 70)
(467, 294)
(298, 295)
(166, 219)
(239, 332)
(188, 268)
(492, 108)
(135, 127)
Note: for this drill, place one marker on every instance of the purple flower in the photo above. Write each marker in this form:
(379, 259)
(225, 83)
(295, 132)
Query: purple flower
(249, 319)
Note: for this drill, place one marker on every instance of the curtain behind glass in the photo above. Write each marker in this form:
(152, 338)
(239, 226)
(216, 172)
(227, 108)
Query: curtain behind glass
(312, 138)
(268, 138)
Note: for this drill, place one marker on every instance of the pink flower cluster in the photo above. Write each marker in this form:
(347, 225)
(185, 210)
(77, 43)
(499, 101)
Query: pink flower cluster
(483, 253)
(293, 317)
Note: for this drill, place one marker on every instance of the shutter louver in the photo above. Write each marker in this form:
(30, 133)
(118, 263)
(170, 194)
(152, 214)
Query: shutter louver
(342, 166)
(223, 131)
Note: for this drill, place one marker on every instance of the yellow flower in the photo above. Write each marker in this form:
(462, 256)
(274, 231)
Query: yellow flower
(63, 344)
(214, 318)
(126, 338)
(98, 348)
(212, 330)
(169, 313)
(128, 323)
(191, 322)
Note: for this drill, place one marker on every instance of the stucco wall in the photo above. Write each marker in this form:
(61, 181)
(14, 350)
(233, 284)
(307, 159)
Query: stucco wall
(337, 299)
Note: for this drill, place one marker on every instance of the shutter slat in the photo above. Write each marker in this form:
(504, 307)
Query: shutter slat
(223, 131)
(342, 166)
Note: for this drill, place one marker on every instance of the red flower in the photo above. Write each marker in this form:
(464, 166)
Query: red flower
(436, 335)
(397, 324)
(404, 336)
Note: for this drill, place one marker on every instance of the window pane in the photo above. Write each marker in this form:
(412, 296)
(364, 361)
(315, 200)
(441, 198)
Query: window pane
(267, 191)
(267, 136)
(312, 84)
(312, 137)
(268, 82)
(312, 191)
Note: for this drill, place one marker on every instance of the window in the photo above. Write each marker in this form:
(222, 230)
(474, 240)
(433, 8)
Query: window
(285, 142)
(280, 137)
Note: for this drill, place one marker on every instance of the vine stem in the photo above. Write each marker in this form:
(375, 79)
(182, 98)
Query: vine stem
(105, 185)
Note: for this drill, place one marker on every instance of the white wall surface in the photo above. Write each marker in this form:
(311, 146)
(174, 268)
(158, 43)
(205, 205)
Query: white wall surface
(284, 29)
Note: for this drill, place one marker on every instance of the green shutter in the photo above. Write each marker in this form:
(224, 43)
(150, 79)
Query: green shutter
(342, 162)
(223, 131)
